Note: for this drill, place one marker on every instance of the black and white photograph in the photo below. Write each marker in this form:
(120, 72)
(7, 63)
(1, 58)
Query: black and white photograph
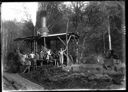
(63, 45)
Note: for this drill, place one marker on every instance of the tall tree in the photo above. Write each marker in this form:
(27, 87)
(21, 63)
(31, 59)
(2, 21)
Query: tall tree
(111, 12)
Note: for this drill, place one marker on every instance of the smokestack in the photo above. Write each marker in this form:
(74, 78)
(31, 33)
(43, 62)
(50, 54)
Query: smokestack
(43, 30)
(43, 22)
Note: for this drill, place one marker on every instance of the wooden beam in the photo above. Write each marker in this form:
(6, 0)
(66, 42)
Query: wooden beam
(69, 39)
(61, 40)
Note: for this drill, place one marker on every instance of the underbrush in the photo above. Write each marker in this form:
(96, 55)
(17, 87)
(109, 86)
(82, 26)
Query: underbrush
(58, 79)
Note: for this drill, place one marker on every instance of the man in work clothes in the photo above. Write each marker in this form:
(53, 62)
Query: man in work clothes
(48, 55)
(33, 60)
(61, 56)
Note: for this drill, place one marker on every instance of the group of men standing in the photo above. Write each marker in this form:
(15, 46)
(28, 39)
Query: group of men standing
(50, 56)
(45, 54)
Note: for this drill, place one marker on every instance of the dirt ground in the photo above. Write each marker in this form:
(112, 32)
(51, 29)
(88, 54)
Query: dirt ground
(13, 81)
(57, 78)
(53, 78)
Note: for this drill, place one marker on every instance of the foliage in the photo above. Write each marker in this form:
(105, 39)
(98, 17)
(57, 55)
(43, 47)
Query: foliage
(10, 31)
(96, 20)
(90, 21)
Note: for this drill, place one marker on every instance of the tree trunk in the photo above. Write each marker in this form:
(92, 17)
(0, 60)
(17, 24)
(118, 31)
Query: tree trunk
(109, 35)
(124, 32)
(77, 52)
(104, 43)
(4, 36)
(67, 42)
(81, 56)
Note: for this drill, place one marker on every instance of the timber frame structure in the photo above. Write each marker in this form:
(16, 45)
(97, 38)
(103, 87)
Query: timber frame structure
(42, 40)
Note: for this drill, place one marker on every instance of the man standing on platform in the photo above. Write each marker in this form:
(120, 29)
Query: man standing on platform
(61, 56)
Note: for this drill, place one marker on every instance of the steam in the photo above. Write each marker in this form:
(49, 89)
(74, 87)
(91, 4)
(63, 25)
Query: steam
(33, 11)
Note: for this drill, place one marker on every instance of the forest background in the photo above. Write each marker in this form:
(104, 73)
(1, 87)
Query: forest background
(91, 21)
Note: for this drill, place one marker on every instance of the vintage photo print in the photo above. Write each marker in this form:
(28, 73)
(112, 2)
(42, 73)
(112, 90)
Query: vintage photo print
(63, 45)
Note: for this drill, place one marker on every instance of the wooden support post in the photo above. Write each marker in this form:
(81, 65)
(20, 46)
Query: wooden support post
(31, 46)
(34, 40)
(35, 46)
(44, 42)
